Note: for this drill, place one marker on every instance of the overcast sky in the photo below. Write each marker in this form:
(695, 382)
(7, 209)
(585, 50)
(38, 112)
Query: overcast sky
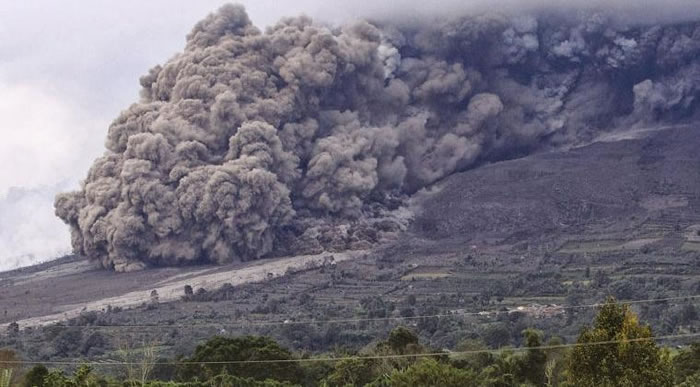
(68, 67)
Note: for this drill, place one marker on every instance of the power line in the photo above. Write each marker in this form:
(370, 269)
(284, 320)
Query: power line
(370, 357)
(367, 319)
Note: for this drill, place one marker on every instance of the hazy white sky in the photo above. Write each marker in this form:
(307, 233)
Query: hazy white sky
(66, 70)
(68, 67)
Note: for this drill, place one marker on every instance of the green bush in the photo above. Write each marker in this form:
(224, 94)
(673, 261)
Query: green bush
(623, 363)
(35, 376)
(239, 349)
(428, 372)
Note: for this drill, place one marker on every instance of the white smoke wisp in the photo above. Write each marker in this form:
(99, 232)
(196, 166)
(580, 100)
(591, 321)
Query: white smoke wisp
(30, 233)
(43, 143)
(303, 137)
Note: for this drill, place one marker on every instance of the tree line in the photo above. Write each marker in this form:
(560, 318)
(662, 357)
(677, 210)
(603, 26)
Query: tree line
(615, 350)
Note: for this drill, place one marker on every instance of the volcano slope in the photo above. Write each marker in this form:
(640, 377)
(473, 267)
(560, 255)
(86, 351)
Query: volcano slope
(569, 227)
(615, 194)
(306, 137)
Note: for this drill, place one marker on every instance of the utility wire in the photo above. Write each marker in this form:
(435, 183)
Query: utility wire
(370, 357)
(244, 324)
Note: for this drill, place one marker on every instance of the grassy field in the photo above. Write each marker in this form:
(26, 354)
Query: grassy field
(603, 246)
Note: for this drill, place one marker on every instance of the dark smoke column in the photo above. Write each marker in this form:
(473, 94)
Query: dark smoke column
(202, 168)
(248, 144)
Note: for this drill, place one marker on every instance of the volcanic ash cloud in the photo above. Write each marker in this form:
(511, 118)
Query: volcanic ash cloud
(304, 137)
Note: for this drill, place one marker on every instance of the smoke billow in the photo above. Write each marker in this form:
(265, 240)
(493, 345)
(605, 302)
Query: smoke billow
(305, 137)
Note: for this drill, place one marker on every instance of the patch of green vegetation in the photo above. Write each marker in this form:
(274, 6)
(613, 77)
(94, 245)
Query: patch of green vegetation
(691, 246)
(424, 276)
(630, 357)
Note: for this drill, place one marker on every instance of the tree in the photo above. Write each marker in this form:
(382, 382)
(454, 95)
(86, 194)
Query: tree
(401, 338)
(427, 372)
(532, 365)
(503, 371)
(401, 341)
(139, 362)
(626, 354)
(478, 360)
(690, 381)
(35, 376)
(374, 306)
(228, 380)
(352, 372)
(13, 329)
(496, 335)
(68, 341)
(94, 344)
(188, 293)
(154, 296)
(225, 349)
(687, 363)
(82, 377)
(556, 362)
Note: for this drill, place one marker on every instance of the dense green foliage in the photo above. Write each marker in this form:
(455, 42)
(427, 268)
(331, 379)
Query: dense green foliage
(499, 288)
(615, 351)
(687, 366)
(623, 357)
(247, 348)
(84, 377)
(427, 372)
(35, 377)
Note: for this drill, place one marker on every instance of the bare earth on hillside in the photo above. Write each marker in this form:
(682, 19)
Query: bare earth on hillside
(50, 296)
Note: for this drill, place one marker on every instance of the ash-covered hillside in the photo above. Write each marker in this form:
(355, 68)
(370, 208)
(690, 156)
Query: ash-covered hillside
(558, 228)
(635, 189)
(307, 137)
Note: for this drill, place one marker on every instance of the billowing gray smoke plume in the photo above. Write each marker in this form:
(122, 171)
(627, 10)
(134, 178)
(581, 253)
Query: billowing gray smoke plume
(304, 137)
